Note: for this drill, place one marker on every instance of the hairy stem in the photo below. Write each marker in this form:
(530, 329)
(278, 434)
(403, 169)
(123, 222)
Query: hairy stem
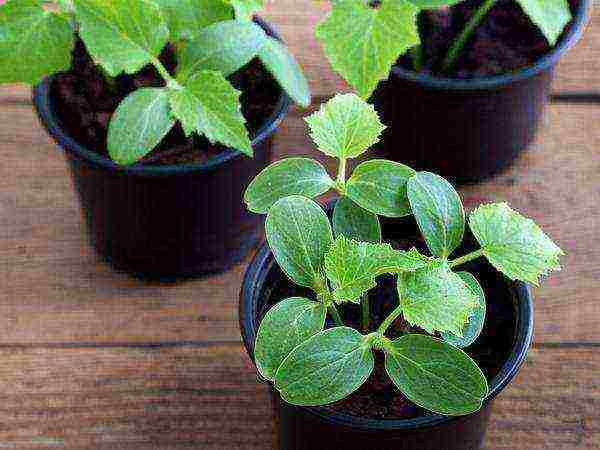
(389, 320)
(463, 37)
(171, 82)
(468, 257)
(336, 315)
(365, 313)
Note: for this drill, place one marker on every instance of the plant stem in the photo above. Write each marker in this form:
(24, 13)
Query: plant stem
(336, 315)
(365, 313)
(465, 259)
(461, 40)
(416, 54)
(341, 178)
(171, 82)
(389, 320)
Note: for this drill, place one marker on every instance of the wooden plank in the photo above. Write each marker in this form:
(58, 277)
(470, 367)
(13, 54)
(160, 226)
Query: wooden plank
(54, 289)
(208, 397)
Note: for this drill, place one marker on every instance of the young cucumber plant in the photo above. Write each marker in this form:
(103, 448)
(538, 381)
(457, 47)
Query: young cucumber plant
(340, 262)
(213, 38)
(363, 39)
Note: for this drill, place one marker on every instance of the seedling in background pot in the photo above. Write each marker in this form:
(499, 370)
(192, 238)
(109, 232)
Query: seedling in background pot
(363, 39)
(311, 364)
(213, 38)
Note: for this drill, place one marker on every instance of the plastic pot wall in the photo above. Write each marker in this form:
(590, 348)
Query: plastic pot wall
(170, 220)
(309, 428)
(467, 130)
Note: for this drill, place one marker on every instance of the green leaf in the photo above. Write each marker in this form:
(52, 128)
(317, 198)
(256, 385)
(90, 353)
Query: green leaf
(245, 9)
(439, 212)
(379, 186)
(281, 63)
(363, 43)
(513, 244)
(33, 43)
(353, 266)
(435, 375)
(327, 367)
(299, 235)
(551, 16)
(140, 122)
(122, 35)
(291, 176)
(187, 17)
(288, 324)
(436, 299)
(65, 5)
(473, 329)
(354, 222)
(209, 105)
(345, 127)
(433, 4)
(223, 47)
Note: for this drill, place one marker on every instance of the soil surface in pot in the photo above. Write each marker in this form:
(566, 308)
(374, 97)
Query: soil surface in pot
(504, 42)
(378, 398)
(85, 102)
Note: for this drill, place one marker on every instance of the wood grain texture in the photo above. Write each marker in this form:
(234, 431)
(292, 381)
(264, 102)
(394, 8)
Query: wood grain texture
(208, 398)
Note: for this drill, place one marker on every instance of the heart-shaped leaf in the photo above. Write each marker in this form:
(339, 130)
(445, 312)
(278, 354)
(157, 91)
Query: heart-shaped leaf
(327, 367)
(379, 186)
(290, 176)
(354, 222)
(140, 122)
(285, 326)
(435, 375)
(122, 35)
(34, 43)
(514, 244)
(223, 47)
(473, 329)
(281, 63)
(210, 106)
(299, 235)
(345, 127)
(436, 299)
(439, 212)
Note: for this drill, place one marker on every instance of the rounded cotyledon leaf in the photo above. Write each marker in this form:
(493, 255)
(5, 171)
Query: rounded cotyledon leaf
(354, 222)
(435, 375)
(285, 326)
(474, 327)
(327, 367)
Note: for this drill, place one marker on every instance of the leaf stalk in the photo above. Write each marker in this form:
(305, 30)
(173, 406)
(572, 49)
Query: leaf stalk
(466, 258)
(335, 315)
(162, 70)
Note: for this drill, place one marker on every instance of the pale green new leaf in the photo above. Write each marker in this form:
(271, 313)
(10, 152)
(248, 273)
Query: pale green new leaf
(363, 43)
(285, 326)
(514, 244)
(345, 127)
(379, 186)
(354, 222)
(435, 375)
(299, 234)
(436, 299)
(33, 43)
(245, 9)
(353, 266)
(439, 212)
(290, 176)
(283, 66)
(210, 106)
(223, 47)
(327, 367)
(473, 329)
(122, 35)
(66, 5)
(551, 16)
(140, 122)
(187, 17)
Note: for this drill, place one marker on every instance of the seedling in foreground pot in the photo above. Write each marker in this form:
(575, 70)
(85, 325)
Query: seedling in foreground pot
(363, 39)
(340, 262)
(213, 38)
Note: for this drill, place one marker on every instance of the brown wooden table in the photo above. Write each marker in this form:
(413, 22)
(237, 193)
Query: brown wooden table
(93, 359)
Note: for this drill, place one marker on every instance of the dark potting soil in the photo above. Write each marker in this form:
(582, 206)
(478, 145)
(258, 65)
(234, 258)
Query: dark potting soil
(85, 102)
(378, 398)
(504, 42)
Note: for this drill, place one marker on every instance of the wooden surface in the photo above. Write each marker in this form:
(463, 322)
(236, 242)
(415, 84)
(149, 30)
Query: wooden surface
(93, 359)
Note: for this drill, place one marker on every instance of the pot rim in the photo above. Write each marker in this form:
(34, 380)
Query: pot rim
(475, 84)
(45, 110)
(255, 275)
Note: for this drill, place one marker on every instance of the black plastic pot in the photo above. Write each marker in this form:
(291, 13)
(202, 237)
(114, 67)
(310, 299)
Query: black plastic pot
(510, 310)
(467, 130)
(171, 220)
